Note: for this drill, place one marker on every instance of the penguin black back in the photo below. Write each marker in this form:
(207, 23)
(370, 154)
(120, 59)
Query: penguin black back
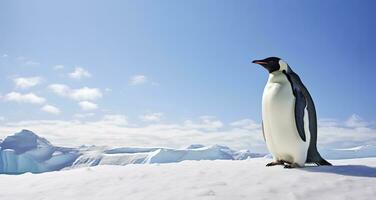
(313, 156)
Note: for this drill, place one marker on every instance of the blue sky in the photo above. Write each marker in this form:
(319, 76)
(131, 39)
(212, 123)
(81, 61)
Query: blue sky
(188, 58)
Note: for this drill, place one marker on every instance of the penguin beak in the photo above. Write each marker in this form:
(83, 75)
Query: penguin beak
(260, 62)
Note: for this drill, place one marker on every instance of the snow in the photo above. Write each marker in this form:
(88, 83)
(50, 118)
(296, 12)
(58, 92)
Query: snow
(194, 172)
(219, 179)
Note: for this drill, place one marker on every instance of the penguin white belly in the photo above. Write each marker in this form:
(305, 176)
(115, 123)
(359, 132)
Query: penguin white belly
(281, 134)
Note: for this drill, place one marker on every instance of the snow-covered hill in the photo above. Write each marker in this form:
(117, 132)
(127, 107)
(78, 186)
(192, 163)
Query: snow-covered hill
(220, 180)
(27, 152)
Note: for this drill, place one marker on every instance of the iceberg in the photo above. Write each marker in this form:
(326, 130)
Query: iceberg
(27, 152)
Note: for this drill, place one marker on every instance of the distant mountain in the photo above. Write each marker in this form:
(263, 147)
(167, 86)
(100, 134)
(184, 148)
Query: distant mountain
(27, 152)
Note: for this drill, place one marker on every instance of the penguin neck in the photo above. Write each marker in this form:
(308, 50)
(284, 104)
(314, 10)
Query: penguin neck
(276, 77)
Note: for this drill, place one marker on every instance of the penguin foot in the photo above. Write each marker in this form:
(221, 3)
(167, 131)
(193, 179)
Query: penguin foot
(293, 165)
(274, 163)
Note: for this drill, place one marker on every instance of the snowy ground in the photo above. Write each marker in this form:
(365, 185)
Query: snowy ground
(220, 179)
(194, 172)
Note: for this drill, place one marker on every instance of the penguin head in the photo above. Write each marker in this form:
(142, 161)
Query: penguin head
(272, 64)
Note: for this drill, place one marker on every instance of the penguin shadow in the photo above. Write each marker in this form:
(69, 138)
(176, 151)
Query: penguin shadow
(346, 170)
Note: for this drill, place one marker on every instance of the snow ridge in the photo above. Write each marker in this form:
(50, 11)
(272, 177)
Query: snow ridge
(27, 152)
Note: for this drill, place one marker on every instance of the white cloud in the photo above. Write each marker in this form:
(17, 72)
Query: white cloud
(79, 73)
(58, 67)
(60, 89)
(114, 130)
(152, 117)
(24, 98)
(86, 93)
(81, 94)
(27, 82)
(5, 55)
(2, 118)
(138, 80)
(51, 109)
(87, 105)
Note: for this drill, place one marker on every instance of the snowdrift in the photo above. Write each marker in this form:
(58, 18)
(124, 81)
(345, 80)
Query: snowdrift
(27, 152)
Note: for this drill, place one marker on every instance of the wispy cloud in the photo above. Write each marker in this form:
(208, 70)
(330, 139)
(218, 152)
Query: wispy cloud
(152, 117)
(81, 94)
(51, 109)
(58, 67)
(83, 115)
(30, 62)
(355, 121)
(138, 80)
(119, 120)
(87, 105)
(246, 124)
(4, 55)
(24, 98)
(27, 82)
(155, 83)
(60, 89)
(79, 73)
(209, 123)
(27, 61)
(21, 58)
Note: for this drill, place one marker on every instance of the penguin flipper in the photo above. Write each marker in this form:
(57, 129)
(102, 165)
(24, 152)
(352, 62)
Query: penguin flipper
(263, 131)
(300, 105)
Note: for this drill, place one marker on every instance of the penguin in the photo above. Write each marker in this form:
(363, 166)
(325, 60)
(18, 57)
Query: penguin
(289, 122)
